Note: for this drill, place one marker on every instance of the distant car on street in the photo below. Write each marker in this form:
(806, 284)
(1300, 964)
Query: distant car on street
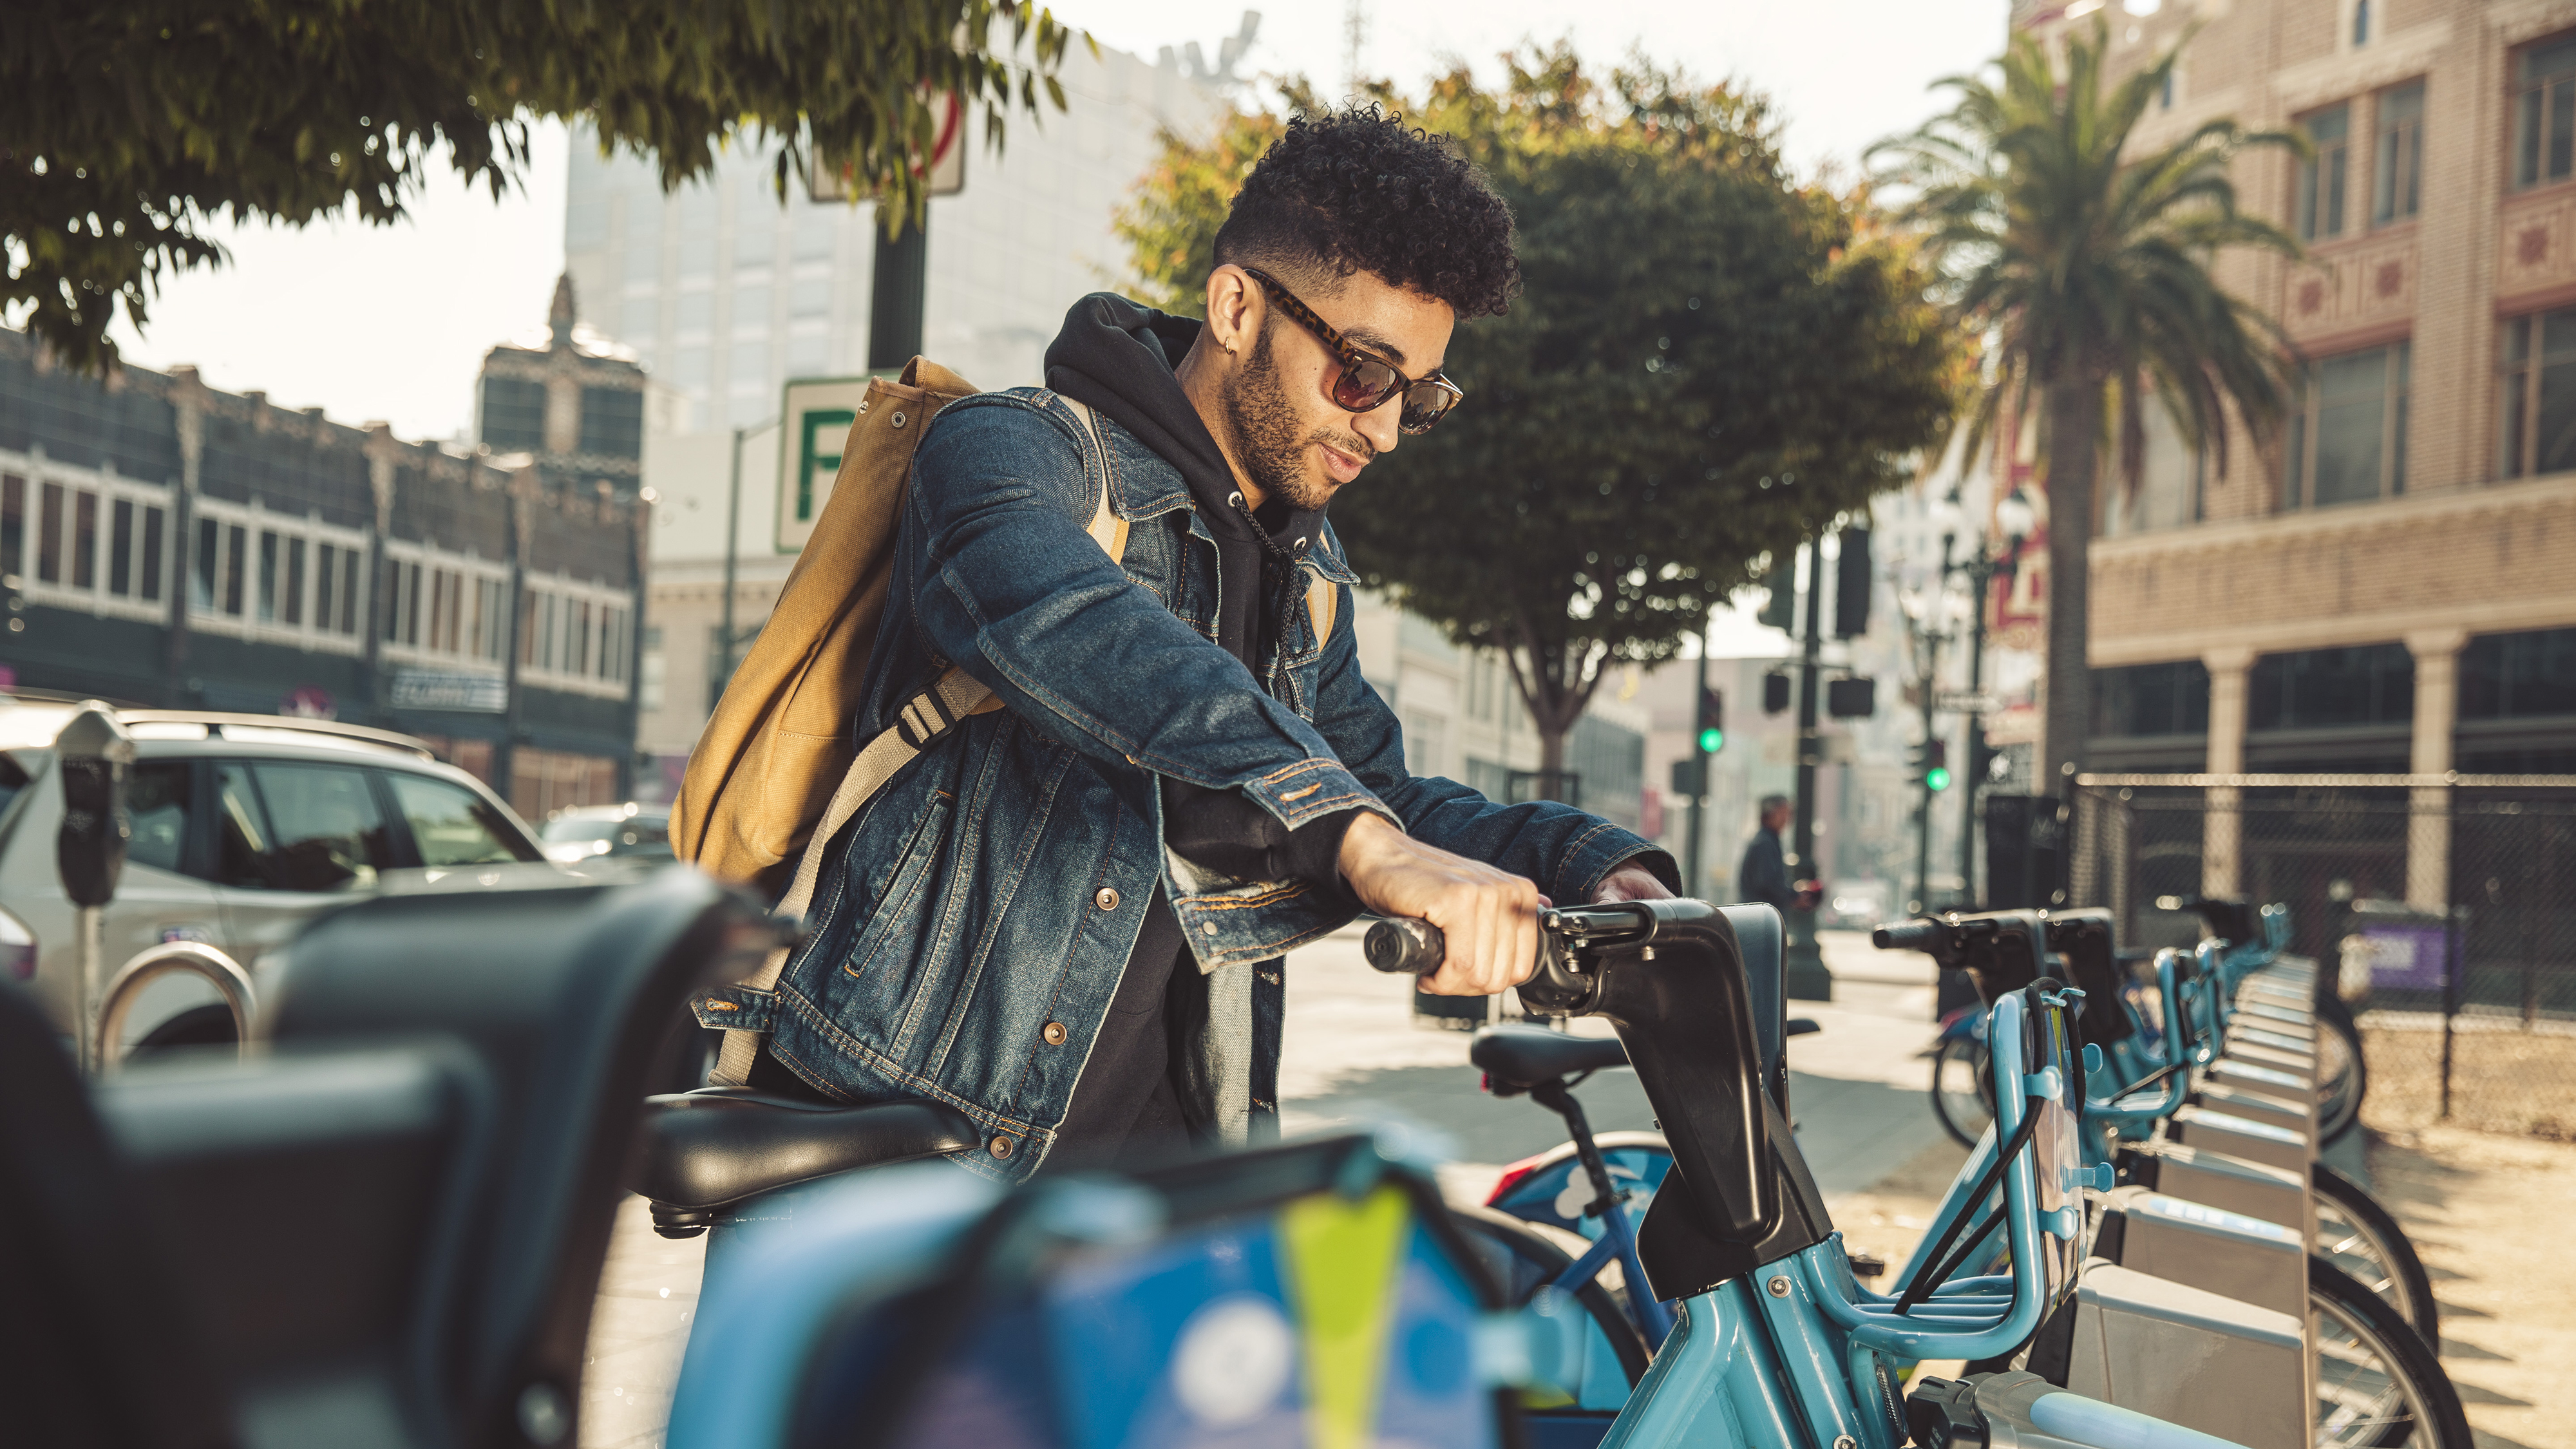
(1858, 905)
(580, 832)
(245, 827)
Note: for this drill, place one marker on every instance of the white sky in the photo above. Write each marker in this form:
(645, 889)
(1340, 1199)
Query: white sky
(391, 322)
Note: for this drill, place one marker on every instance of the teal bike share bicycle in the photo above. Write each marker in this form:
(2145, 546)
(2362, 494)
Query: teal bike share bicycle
(2211, 1152)
(2372, 1382)
(920, 1305)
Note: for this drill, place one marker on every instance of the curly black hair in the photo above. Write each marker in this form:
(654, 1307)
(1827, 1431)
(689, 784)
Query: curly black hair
(1358, 191)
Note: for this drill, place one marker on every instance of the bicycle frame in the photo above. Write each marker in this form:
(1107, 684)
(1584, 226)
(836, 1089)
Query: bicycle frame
(1619, 1240)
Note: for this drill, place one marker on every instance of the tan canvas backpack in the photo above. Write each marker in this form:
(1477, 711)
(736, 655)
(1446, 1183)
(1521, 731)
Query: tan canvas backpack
(774, 775)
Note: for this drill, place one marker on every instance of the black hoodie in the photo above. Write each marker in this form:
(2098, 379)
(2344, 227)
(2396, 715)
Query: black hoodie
(1120, 359)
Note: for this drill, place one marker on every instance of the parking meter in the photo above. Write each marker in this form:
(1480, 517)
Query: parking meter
(91, 756)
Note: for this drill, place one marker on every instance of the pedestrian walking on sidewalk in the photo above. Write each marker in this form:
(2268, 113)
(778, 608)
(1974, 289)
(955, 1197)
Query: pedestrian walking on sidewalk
(1764, 876)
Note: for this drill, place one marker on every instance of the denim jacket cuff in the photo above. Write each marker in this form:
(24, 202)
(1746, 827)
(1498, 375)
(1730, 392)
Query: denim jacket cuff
(1604, 849)
(734, 1008)
(1310, 790)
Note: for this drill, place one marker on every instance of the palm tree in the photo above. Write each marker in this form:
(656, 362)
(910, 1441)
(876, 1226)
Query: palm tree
(2088, 274)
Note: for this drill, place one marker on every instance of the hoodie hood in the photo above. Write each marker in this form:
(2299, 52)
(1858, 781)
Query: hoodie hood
(1121, 358)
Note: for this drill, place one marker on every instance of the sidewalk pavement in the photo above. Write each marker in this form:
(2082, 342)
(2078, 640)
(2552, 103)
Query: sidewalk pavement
(1857, 1087)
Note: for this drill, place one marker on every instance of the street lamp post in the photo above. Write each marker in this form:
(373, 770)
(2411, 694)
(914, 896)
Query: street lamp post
(1926, 624)
(2015, 516)
(733, 536)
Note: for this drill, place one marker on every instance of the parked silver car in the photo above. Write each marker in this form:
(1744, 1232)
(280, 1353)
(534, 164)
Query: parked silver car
(245, 826)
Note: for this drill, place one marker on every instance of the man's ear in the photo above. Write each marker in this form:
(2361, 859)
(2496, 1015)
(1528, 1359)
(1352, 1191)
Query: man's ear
(1234, 306)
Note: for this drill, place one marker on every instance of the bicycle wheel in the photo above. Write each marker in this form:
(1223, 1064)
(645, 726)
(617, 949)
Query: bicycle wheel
(2342, 1076)
(1600, 1353)
(2357, 1235)
(2378, 1385)
(1963, 1089)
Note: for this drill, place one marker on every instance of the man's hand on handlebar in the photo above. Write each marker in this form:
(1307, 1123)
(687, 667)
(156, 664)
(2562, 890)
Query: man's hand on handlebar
(1489, 917)
(1629, 883)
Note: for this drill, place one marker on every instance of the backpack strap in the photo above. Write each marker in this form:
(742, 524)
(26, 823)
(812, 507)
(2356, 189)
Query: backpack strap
(1323, 596)
(926, 716)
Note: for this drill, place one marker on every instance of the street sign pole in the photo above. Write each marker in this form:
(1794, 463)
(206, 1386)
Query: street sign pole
(897, 295)
(1803, 973)
(1693, 883)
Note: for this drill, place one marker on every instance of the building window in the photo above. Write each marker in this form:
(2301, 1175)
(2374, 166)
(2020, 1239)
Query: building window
(2544, 114)
(2321, 176)
(573, 636)
(2348, 436)
(2369, 684)
(2536, 395)
(2147, 700)
(514, 415)
(2164, 94)
(2519, 676)
(612, 421)
(2360, 23)
(2396, 175)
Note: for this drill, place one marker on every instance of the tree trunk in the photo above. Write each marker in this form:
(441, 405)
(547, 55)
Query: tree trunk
(1555, 679)
(2074, 461)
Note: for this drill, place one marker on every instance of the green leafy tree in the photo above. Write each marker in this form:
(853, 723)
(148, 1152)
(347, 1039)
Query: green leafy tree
(1707, 363)
(2088, 271)
(126, 128)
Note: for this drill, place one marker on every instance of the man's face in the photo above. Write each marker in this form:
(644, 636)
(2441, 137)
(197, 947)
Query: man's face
(1276, 397)
(1775, 817)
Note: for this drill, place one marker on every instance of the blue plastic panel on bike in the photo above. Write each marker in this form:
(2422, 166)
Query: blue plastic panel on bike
(1556, 1191)
(1323, 1321)
(2057, 1144)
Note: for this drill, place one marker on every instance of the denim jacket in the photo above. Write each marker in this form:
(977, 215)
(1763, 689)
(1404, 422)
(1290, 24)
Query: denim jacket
(972, 920)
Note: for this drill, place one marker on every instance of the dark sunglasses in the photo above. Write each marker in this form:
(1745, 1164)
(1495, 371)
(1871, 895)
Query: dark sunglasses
(1366, 383)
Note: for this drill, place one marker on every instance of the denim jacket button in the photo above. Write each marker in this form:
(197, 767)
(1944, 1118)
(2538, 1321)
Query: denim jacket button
(1054, 1033)
(1207, 928)
(1107, 899)
(1001, 1147)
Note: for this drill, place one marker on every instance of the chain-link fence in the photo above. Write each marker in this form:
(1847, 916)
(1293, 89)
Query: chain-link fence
(2442, 908)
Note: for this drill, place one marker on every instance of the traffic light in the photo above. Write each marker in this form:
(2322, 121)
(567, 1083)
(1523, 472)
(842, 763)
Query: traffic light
(1852, 582)
(1936, 765)
(1712, 721)
(1775, 692)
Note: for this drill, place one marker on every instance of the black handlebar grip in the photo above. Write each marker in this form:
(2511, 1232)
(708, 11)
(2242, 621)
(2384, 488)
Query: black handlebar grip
(1907, 936)
(1407, 946)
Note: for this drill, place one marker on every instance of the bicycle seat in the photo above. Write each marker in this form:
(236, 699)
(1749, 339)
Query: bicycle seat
(705, 1149)
(1524, 1056)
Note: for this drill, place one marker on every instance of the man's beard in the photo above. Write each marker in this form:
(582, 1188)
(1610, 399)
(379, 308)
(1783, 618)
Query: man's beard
(1266, 440)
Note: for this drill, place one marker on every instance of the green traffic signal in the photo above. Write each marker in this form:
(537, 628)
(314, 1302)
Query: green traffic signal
(1711, 741)
(1937, 778)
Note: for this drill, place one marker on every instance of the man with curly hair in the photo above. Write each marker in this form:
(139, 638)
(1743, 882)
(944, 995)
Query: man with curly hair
(1067, 915)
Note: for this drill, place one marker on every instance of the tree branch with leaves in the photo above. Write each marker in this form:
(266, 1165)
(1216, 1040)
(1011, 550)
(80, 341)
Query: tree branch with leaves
(1707, 364)
(127, 129)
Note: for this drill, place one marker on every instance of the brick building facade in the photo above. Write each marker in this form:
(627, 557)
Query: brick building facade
(165, 544)
(2389, 585)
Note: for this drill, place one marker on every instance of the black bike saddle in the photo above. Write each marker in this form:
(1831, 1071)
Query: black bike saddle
(706, 1149)
(1524, 1056)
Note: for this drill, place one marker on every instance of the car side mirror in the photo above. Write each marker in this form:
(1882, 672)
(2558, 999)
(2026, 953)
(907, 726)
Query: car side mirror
(93, 753)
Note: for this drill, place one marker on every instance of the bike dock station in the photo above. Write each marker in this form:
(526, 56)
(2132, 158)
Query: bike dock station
(452, 1084)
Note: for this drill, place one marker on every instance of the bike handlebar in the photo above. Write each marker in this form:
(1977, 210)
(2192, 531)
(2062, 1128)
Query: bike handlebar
(1403, 945)
(1407, 945)
(1907, 936)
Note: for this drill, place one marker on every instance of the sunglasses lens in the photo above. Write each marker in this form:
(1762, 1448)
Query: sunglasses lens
(1425, 404)
(1364, 385)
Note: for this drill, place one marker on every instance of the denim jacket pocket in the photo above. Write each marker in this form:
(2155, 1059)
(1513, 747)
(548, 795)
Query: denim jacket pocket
(924, 856)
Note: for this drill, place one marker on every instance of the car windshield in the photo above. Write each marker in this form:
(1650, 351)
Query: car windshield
(18, 770)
